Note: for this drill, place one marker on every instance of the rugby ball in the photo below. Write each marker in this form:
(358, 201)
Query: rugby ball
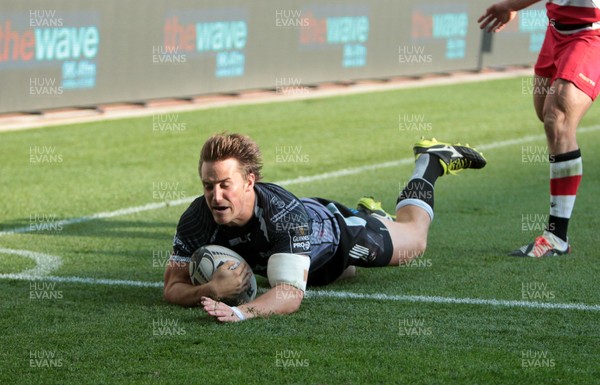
(207, 259)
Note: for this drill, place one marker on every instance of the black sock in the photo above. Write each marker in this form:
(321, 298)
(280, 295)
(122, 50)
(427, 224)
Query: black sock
(417, 188)
(428, 167)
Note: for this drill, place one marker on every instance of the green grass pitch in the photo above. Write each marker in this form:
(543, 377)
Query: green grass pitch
(96, 324)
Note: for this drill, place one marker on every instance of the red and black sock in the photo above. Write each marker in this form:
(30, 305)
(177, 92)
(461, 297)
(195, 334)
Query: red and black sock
(565, 176)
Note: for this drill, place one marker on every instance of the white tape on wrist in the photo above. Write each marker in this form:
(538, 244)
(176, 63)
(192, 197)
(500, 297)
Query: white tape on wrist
(238, 313)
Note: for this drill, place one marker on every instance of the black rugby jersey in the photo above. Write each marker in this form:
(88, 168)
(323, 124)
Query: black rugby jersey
(281, 223)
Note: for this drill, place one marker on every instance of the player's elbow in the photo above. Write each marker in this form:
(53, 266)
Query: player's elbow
(168, 286)
(290, 306)
(169, 294)
(176, 297)
(175, 283)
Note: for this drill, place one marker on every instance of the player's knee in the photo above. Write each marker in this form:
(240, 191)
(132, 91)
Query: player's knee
(553, 119)
(168, 296)
(555, 127)
(421, 247)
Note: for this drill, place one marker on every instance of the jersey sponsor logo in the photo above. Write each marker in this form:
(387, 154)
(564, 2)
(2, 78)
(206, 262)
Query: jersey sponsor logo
(300, 239)
(300, 246)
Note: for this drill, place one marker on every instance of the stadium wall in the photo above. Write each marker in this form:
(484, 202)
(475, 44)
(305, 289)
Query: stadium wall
(59, 53)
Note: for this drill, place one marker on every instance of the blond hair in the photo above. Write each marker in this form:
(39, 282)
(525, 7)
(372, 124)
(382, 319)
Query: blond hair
(240, 147)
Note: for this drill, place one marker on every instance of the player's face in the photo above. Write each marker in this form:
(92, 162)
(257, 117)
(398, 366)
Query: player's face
(229, 195)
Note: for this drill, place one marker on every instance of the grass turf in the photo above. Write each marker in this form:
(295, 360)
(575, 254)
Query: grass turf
(97, 333)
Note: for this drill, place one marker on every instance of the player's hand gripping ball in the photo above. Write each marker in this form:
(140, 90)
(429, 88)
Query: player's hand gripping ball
(207, 259)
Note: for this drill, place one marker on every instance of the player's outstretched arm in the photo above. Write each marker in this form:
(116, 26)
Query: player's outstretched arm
(499, 14)
(225, 283)
(281, 299)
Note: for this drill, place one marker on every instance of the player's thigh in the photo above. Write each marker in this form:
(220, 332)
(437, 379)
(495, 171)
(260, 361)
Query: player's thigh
(408, 241)
(567, 100)
(563, 111)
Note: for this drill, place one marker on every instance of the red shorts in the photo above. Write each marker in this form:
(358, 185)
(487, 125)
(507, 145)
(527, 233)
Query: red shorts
(575, 58)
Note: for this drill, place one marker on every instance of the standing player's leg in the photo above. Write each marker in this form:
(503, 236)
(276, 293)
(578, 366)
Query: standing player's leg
(561, 109)
(414, 211)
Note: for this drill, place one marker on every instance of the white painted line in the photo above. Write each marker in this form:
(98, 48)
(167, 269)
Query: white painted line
(530, 138)
(345, 172)
(45, 264)
(103, 215)
(95, 281)
(450, 300)
(287, 182)
(338, 294)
